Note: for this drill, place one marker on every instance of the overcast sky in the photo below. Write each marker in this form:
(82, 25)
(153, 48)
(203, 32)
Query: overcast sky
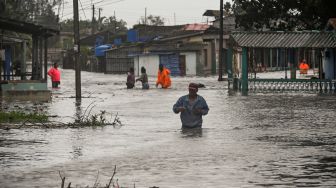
(185, 11)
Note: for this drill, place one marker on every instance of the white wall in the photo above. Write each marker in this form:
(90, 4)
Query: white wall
(190, 63)
(150, 62)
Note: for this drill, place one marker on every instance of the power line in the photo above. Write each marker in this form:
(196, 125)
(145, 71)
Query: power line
(89, 6)
(82, 8)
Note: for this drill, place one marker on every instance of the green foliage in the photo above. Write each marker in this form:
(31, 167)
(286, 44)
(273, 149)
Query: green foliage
(104, 23)
(111, 23)
(40, 11)
(283, 14)
(67, 25)
(19, 117)
(95, 120)
(153, 20)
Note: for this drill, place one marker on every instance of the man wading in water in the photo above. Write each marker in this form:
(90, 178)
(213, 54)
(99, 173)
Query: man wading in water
(192, 108)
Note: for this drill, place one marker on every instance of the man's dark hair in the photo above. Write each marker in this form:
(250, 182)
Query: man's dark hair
(143, 70)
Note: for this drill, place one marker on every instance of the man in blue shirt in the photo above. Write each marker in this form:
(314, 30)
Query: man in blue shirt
(192, 108)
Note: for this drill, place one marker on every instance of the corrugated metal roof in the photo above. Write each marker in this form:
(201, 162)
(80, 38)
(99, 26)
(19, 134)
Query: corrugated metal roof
(196, 27)
(310, 39)
(215, 13)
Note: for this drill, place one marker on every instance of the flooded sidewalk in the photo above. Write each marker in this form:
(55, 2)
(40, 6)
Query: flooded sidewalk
(262, 140)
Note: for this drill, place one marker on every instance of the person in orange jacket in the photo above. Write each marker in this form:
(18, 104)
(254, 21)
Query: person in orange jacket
(304, 67)
(163, 78)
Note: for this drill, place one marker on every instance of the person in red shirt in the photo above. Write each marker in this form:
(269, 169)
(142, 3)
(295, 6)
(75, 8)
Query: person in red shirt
(55, 76)
(163, 78)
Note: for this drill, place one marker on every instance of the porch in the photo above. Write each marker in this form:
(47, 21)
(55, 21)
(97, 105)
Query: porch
(290, 48)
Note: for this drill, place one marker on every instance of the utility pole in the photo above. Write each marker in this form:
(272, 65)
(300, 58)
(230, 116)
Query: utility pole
(115, 22)
(77, 50)
(220, 55)
(99, 9)
(93, 20)
(145, 16)
(99, 22)
(174, 18)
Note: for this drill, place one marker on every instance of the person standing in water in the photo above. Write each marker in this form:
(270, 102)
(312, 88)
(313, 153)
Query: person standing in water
(55, 76)
(163, 77)
(143, 78)
(192, 107)
(130, 78)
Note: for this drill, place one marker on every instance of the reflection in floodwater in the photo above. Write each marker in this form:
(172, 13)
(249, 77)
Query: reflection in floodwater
(262, 140)
(78, 106)
(196, 132)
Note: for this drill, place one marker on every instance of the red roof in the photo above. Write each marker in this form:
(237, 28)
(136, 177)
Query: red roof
(196, 27)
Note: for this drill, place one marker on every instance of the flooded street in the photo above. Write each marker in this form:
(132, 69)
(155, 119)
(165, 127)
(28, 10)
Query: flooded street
(262, 140)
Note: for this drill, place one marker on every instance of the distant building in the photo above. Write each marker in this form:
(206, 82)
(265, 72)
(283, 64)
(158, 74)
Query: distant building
(185, 50)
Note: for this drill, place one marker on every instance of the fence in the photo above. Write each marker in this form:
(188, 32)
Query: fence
(286, 85)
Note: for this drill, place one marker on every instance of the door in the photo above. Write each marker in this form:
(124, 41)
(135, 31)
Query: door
(182, 65)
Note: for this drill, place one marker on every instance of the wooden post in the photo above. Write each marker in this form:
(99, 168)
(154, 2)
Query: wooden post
(34, 58)
(23, 60)
(229, 63)
(292, 61)
(220, 50)
(46, 59)
(271, 58)
(244, 72)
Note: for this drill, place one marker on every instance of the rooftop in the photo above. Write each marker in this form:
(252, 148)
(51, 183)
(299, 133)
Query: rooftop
(304, 39)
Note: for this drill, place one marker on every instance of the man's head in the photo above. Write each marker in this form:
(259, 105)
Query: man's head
(143, 70)
(161, 67)
(56, 65)
(193, 89)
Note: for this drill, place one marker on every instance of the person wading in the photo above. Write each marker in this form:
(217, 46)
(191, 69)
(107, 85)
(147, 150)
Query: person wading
(163, 77)
(192, 107)
(143, 78)
(130, 78)
(55, 76)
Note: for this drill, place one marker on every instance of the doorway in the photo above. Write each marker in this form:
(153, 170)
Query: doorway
(182, 65)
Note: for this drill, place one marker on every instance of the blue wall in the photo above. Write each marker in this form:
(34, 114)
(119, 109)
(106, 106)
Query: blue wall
(132, 35)
(171, 61)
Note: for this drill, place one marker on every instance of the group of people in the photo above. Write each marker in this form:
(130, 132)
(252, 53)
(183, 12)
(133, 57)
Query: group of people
(191, 107)
(163, 78)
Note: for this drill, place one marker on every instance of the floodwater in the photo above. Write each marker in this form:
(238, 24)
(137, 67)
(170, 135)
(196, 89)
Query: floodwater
(262, 140)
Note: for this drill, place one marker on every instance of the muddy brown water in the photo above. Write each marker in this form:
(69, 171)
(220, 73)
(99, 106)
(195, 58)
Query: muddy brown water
(262, 140)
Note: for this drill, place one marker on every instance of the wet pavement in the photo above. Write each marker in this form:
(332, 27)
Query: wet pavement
(262, 140)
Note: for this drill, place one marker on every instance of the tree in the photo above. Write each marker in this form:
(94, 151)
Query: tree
(38, 11)
(283, 14)
(111, 24)
(227, 9)
(114, 25)
(67, 25)
(153, 20)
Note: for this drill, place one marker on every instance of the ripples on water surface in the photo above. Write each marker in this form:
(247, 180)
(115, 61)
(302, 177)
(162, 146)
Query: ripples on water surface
(263, 140)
